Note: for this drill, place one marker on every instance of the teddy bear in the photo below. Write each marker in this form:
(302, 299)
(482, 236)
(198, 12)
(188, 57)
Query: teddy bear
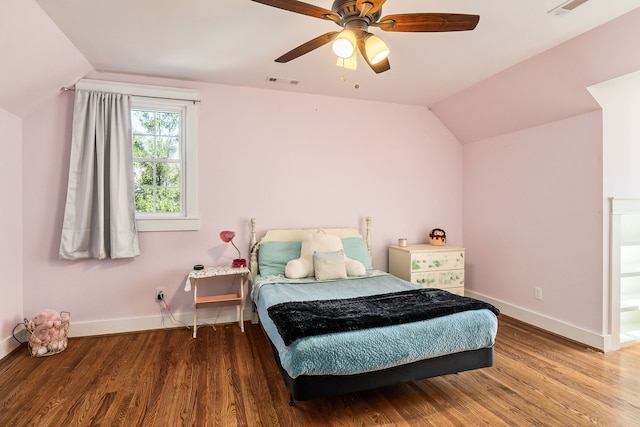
(315, 244)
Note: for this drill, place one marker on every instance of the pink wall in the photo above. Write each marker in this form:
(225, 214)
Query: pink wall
(10, 226)
(533, 218)
(290, 160)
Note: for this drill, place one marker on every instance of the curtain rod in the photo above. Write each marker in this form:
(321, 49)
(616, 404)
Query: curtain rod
(72, 89)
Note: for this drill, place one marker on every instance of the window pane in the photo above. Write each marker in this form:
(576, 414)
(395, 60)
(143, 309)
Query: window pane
(158, 163)
(145, 200)
(168, 148)
(168, 124)
(143, 173)
(168, 175)
(168, 200)
(143, 146)
(143, 122)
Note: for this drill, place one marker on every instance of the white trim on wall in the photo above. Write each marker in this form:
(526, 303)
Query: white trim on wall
(135, 324)
(9, 344)
(574, 333)
(139, 324)
(148, 323)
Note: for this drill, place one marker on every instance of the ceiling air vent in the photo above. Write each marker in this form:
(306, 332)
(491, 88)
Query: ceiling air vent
(566, 7)
(283, 81)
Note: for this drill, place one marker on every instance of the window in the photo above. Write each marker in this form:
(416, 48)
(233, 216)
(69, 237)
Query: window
(157, 160)
(164, 164)
(164, 130)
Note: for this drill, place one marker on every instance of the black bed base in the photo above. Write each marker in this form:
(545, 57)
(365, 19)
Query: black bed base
(306, 387)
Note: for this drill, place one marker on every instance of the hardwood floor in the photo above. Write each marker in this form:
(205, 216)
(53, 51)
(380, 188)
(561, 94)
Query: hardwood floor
(225, 377)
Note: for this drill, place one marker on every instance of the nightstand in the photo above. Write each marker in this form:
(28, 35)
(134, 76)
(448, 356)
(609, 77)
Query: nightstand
(212, 272)
(429, 266)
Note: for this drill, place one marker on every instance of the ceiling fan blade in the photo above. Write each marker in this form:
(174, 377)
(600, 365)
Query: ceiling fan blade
(302, 8)
(428, 22)
(308, 47)
(378, 67)
(375, 5)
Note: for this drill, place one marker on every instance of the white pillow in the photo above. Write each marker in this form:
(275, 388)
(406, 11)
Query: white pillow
(320, 241)
(298, 268)
(354, 267)
(329, 265)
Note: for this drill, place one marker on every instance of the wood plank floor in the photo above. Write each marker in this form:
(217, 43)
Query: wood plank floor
(227, 378)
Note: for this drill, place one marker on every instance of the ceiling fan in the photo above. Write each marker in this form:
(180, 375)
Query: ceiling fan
(356, 16)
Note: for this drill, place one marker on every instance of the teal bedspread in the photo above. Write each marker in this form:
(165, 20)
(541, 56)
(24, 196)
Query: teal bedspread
(353, 352)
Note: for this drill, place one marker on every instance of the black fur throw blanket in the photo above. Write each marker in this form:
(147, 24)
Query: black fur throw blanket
(299, 319)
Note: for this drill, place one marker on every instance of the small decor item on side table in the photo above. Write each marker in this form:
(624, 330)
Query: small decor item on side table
(438, 237)
(227, 237)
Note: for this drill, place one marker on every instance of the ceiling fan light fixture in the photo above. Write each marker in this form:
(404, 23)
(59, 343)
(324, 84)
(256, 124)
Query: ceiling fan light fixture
(356, 16)
(375, 48)
(345, 44)
(350, 63)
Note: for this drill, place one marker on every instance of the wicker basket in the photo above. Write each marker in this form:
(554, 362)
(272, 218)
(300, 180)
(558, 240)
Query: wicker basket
(50, 337)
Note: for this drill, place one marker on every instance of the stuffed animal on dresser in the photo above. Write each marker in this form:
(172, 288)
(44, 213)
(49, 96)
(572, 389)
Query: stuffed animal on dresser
(438, 237)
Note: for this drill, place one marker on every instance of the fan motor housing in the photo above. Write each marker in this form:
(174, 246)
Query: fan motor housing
(349, 12)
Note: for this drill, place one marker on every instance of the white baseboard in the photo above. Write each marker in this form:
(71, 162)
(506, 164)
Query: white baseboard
(7, 345)
(135, 324)
(574, 333)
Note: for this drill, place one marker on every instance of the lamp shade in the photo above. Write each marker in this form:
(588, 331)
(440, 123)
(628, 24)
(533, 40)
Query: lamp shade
(376, 48)
(345, 44)
(227, 236)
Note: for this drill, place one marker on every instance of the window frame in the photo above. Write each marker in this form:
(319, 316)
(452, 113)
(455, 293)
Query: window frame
(157, 98)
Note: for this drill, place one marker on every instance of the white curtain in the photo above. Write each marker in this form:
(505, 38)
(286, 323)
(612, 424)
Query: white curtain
(99, 217)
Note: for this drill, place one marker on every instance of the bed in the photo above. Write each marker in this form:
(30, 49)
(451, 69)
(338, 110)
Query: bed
(398, 340)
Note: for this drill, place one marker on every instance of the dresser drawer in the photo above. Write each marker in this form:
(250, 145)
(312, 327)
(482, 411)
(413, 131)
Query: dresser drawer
(444, 279)
(442, 260)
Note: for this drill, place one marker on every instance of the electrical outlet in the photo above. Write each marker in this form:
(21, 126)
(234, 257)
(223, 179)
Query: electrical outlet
(538, 293)
(159, 294)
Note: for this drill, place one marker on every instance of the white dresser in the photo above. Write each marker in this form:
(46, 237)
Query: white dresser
(429, 266)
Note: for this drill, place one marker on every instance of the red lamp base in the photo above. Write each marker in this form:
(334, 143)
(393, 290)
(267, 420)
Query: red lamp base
(238, 263)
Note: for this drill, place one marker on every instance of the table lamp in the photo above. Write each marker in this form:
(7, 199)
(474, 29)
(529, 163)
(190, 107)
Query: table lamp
(227, 237)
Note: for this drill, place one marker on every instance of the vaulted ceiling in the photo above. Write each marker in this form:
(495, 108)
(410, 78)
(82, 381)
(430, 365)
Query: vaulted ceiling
(50, 43)
(236, 41)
